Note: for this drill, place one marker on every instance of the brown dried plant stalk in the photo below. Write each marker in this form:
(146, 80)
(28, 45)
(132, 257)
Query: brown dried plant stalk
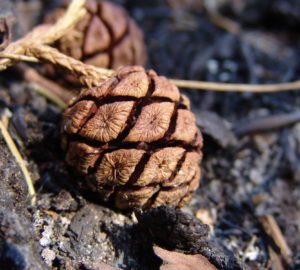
(88, 75)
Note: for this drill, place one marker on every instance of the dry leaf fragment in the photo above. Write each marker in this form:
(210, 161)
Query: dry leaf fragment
(178, 261)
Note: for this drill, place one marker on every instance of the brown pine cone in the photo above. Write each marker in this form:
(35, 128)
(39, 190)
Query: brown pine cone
(105, 37)
(135, 140)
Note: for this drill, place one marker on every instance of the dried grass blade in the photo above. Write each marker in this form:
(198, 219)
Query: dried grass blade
(15, 152)
(232, 87)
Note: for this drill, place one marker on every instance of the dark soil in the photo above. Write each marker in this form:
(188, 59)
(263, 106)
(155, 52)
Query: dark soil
(247, 172)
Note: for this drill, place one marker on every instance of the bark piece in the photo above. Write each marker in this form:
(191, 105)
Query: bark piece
(174, 229)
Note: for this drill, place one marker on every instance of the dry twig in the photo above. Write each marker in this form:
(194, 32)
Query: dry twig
(15, 152)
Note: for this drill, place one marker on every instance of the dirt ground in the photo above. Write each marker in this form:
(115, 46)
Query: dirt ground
(250, 171)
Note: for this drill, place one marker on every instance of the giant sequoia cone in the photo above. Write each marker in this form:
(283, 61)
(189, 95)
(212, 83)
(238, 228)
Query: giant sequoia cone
(105, 37)
(135, 140)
